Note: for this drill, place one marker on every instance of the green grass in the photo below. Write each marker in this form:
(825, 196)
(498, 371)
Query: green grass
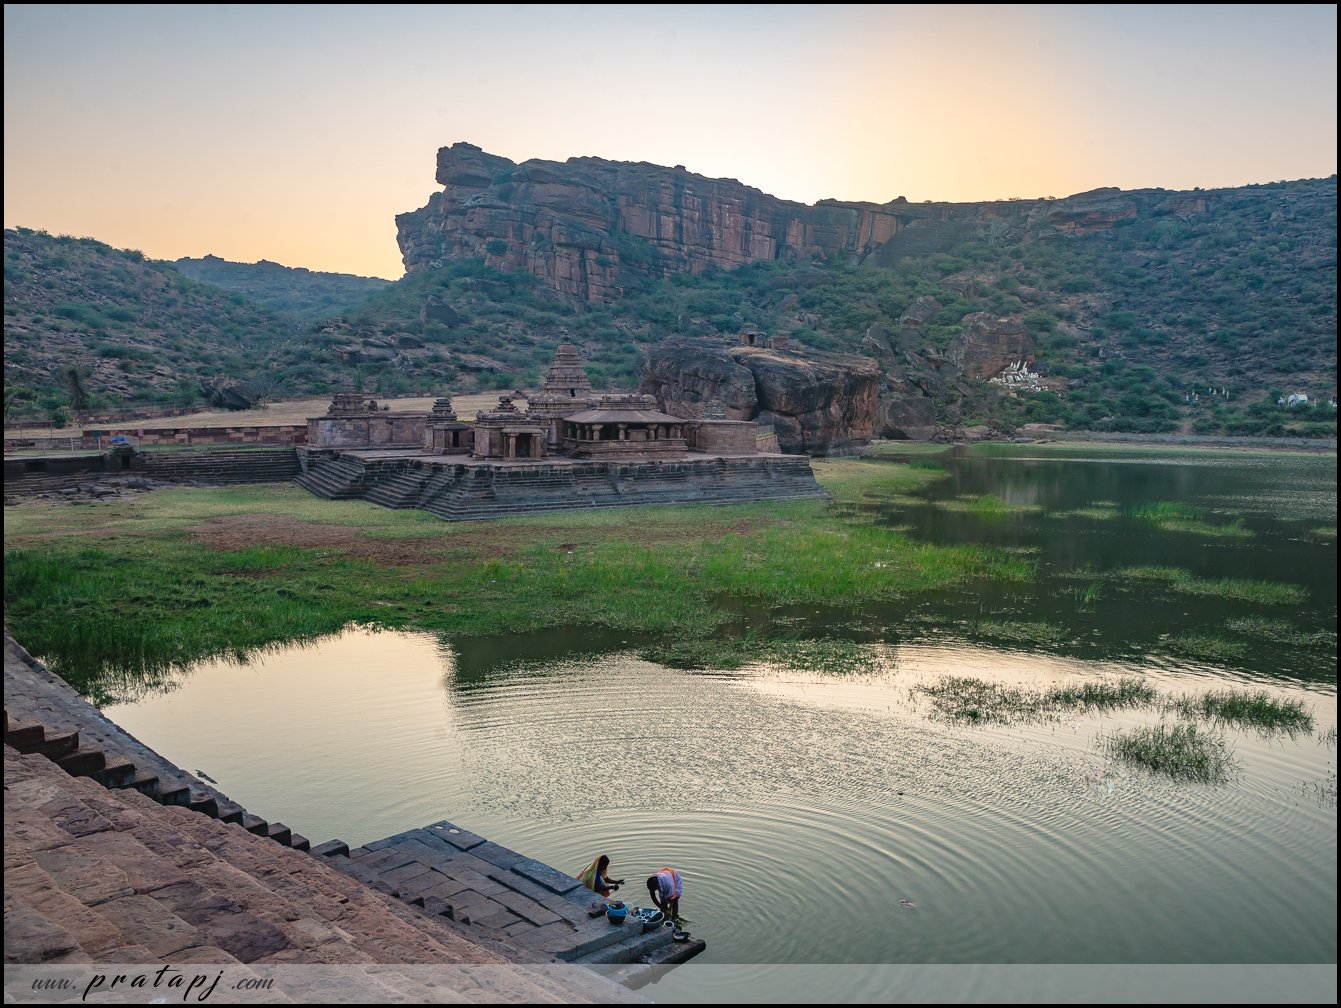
(1182, 581)
(886, 449)
(1246, 709)
(1182, 751)
(859, 481)
(830, 655)
(1208, 647)
(1128, 691)
(1048, 634)
(1093, 512)
(1171, 516)
(1279, 631)
(976, 701)
(1325, 532)
(1087, 598)
(140, 584)
(987, 506)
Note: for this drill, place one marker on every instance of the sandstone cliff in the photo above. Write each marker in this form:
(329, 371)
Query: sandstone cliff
(588, 226)
(817, 402)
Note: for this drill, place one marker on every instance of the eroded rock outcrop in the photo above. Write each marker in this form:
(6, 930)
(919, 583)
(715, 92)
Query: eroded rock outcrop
(987, 345)
(817, 402)
(585, 226)
(229, 393)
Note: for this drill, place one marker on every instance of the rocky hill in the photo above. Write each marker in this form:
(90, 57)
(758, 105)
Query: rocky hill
(1127, 311)
(291, 290)
(90, 326)
(589, 228)
(1146, 310)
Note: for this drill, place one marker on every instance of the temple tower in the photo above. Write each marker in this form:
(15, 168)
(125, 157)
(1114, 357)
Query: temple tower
(566, 390)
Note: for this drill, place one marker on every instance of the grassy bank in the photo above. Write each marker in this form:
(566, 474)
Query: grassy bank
(182, 574)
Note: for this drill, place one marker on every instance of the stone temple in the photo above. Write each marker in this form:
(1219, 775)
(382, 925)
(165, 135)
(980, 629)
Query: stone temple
(570, 448)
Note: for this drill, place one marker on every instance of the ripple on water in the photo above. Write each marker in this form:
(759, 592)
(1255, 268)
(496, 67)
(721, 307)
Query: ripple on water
(799, 824)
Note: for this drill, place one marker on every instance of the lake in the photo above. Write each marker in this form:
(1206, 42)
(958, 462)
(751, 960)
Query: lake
(847, 805)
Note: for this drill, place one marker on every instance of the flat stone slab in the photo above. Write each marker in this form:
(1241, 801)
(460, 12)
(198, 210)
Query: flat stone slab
(542, 874)
(497, 854)
(459, 838)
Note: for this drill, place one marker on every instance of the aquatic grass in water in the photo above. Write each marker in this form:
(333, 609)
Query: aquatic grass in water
(1246, 709)
(1279, 631)
(1022, 632)
(1179, 580)
(831, 655)
(977, 701)
(1093, 512)
(1183, 752)
(1172, 516)
(1086, 598)
(1326, 532)
(1205, 646)
(987, 506)
(1128, 691)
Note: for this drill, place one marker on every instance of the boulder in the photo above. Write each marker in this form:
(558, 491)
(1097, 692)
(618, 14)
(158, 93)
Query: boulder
(920, 312)
(438, 312)
(816, 402)
(229, 393)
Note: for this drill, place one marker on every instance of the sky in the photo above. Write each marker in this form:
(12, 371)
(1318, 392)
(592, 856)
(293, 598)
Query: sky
(297, 133)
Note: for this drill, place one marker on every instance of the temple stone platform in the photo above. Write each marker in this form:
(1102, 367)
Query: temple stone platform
(448, 871)
(456, 488)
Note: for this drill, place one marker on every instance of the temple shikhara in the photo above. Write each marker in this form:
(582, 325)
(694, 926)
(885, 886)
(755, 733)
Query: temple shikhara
(570, 447)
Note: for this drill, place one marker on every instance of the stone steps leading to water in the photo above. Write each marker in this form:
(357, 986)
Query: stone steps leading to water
(453, 873)
(116, 771)
(111, 876)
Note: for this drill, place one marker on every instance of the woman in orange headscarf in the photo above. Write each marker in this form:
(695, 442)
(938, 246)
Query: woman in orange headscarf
(596, 877)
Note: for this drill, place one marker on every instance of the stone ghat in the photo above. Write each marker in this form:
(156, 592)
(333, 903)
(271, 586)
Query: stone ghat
(103, 867)
(459, 490)
(450, 872)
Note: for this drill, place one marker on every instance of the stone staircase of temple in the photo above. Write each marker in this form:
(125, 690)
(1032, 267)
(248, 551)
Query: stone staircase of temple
(402, 488)
(468, 492)
(222, 465)
(340, 478)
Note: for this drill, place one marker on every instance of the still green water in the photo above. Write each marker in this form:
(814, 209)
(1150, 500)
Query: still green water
(829, 815)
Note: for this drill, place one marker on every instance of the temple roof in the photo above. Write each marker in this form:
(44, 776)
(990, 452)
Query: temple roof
(603, 416)
(566, 372)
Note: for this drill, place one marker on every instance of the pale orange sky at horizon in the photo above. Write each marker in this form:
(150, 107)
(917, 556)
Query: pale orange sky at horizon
(297, 133)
